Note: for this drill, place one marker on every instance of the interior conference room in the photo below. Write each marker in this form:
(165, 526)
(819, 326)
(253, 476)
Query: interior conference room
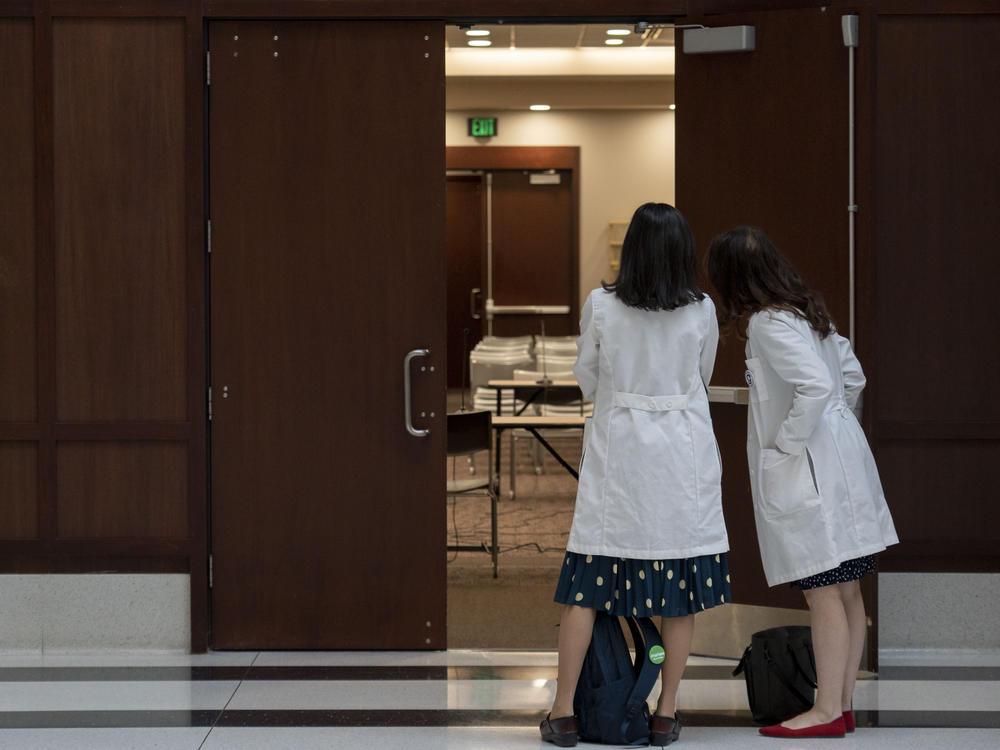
(289, 429)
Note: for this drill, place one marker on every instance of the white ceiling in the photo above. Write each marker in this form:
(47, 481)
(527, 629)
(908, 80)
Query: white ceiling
(565, 66)
(561, 36)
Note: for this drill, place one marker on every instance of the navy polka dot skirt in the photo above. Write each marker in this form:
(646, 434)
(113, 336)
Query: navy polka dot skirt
(847, 571)
(646, 588)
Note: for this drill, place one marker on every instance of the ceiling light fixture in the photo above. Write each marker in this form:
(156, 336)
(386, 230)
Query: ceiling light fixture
(616, 32)
(672, 107)
(540, 107)
(477, 32)
(614, 41)
(480, 43)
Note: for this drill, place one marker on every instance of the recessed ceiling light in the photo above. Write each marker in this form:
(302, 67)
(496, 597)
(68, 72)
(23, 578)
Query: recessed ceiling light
(477, 32)
(480, 43)
(540, 107)
(614, 41)
(672, 106)
(617, 32)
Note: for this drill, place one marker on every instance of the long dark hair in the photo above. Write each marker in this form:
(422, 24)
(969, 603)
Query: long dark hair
(751, 274)
(657, 270)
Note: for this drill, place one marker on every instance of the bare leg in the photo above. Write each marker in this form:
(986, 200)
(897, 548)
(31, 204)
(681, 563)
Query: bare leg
(831, 644)
(677, 633)
(575, 628)
(857, 626)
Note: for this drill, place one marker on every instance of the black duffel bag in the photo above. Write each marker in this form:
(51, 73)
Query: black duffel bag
(780, 672)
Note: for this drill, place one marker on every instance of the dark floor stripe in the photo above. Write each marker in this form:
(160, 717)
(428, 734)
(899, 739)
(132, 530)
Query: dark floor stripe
(187, 674)
(436, 718)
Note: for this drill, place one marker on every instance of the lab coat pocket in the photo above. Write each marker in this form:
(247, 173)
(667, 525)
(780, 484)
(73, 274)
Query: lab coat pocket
(787, 483)
(755, 380)
(587, 424)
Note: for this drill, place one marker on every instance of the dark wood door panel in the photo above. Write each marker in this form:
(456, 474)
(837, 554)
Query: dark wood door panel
(120, 221)
(762, 140)
(18, 373)
(327, 268)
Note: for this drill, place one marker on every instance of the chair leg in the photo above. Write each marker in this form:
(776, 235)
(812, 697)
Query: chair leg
(494, 547)
(537, 457)
(512, 492)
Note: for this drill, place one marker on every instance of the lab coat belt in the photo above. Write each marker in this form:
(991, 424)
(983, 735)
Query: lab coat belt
(840, 406)
(649, 403)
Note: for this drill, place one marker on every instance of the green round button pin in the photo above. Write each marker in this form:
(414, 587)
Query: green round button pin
(657, 654)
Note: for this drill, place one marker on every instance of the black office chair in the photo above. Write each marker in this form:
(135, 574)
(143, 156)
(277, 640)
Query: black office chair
(469, 433)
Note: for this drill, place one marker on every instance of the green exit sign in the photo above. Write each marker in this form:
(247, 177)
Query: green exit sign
(482, 126)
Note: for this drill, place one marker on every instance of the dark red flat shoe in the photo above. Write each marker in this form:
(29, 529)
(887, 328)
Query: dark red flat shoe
(663, 730)
(834, 728)
(561, 732)
(849, 721)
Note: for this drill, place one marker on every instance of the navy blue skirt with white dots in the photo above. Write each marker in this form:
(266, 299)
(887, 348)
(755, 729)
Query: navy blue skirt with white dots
(646, 588)
(847, 571)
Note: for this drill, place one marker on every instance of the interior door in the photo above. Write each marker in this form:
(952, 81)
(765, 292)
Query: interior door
(762, 139)
(327, 270)
(532, 254)
(466, 242)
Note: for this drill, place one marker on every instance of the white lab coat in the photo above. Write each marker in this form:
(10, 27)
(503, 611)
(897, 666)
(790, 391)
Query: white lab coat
(817, 496)
(650, 474)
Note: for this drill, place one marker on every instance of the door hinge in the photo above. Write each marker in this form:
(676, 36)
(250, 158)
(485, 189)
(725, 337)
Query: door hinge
(208, 68)
(211, 571)
(208, 236)
(209, 403)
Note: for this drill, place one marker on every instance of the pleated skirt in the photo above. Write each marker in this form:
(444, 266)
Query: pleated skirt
(645, 588)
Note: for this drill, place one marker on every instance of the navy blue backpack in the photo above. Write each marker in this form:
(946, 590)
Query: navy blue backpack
(611, 694)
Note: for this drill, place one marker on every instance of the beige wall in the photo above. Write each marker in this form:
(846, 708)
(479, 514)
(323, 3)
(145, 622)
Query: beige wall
(626, 158)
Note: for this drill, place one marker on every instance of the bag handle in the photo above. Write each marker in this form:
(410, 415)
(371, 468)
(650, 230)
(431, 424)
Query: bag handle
(644, 636)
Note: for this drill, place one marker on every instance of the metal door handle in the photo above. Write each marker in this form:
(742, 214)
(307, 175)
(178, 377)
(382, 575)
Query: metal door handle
(406, 391)
(472, 303)
(492, 309)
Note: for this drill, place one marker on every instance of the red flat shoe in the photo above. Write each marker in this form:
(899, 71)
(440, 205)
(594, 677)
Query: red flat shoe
(834, 728)
(849, 721)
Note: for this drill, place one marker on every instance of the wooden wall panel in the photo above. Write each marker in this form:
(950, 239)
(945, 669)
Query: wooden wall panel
(121, 310)
(18, 490)
(122, 489)
(18, 353)
(934, 326)
(938, 200)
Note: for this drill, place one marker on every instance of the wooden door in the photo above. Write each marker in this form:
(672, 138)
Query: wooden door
(466, 248)
(327, 268)
(762, 139)
(533, 254)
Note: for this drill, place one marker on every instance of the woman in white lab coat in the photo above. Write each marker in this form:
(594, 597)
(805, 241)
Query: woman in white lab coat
(648, 536)
(818, 502)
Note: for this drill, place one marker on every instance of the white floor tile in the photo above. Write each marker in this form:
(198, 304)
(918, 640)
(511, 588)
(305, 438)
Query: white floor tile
(471, 738)
(126, 659)
(179, 738)
(114, 696)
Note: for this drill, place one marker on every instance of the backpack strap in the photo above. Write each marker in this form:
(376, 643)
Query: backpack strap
(644, 636)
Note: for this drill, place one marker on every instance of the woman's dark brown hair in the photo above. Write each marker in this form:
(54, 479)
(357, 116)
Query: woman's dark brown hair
(750, 274)
(658, 269)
